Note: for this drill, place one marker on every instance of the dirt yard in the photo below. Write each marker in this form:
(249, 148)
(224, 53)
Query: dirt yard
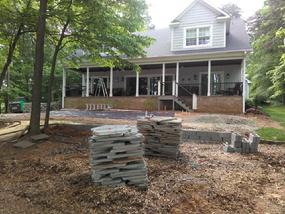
(53, 177)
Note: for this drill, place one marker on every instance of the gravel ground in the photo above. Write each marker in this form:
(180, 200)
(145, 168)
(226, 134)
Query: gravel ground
(209, 122)
(53, 177)
(220, 122)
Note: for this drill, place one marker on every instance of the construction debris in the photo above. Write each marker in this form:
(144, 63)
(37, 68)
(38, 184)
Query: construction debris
(243, 145)
(162, 136)
(116, 156)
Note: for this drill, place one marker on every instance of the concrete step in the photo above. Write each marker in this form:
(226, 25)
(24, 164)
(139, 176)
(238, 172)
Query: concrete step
(182, 105)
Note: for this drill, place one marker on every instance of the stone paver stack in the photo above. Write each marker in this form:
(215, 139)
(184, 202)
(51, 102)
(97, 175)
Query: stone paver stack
(243, 145)
(116, 156)
(162, 136)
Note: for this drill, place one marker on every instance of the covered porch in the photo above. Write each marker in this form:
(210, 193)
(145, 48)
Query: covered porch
(164, 82)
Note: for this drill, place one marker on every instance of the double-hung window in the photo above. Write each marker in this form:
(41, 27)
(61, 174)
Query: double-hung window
(197, 36)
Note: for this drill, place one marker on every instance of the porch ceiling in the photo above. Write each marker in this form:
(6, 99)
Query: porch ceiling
(168, 65)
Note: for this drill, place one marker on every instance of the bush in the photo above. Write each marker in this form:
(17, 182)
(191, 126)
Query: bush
(259, 100)
(249, 104)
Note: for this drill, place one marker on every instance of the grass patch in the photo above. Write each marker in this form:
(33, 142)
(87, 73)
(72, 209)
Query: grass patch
(272, 134)
(276, 113)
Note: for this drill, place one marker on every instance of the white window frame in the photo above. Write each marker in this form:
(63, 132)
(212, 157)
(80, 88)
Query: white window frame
(197, 36)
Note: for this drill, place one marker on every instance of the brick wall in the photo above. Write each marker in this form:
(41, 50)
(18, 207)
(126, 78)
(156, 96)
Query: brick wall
(130, 103)
(223, 104)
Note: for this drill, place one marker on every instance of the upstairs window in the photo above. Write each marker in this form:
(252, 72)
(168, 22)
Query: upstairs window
(197, 37)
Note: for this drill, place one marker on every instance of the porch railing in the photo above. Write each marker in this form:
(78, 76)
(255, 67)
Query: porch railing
(227, 89)
(217, 89)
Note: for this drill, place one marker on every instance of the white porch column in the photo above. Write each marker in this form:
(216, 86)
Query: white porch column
(158, 88)
(163, 79)
(87, 82)
(173, 87)
(177, 79)
(209, 77)
(137, 83)
(243, 84)
(63, 87)
(111, 82)
(83, 84)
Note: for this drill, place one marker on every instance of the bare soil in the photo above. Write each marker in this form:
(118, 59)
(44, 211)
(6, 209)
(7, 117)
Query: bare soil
(54, 177)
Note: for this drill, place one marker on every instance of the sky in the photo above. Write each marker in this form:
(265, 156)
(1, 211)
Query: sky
(163, 12)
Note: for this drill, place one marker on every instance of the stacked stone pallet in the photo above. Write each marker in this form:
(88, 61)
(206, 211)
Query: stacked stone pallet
(243, 145)
(162, 136)
(116, 156)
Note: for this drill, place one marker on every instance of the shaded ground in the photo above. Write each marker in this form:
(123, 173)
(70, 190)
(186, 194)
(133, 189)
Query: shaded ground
(53, 177)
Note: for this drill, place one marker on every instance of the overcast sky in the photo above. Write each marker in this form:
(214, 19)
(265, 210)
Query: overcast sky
(163, 12)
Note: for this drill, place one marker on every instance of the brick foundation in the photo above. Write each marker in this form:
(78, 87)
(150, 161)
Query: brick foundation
(222, 104)
(129, 103)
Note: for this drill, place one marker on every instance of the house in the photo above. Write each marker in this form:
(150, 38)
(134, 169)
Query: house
(197, 63)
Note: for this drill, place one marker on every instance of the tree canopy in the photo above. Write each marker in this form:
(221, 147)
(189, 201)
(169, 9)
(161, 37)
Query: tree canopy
(232, 9)
(266, 63)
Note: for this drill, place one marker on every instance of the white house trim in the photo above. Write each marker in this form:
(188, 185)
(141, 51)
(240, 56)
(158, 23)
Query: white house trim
(225, 34)
(163, 79)
(111, 82)
(172, 36)
(209, 77)
(243, 85)
(137, 83)
(63, 87)
(87, 82)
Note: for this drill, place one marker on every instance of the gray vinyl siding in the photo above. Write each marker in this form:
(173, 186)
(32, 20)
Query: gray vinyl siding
(199, 15)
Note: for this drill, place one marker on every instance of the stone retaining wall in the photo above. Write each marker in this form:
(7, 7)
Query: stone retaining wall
(206, 136)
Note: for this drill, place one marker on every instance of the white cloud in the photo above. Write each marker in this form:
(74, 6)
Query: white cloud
(164, 11)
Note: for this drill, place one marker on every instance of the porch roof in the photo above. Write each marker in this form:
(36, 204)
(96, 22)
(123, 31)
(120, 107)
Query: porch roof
(168, 65)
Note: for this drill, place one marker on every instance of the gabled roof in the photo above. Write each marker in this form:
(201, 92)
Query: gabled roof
(237, 41)
(205, 3)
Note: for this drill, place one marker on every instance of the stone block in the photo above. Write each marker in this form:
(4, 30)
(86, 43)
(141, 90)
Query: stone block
(228, 148)
(236, 140)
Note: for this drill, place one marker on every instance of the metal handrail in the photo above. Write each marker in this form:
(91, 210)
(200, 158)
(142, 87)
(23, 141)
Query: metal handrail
(185, 89)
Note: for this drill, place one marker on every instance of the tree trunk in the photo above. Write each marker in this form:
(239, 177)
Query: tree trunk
(51, 78)
(38, 71)
(12, 48)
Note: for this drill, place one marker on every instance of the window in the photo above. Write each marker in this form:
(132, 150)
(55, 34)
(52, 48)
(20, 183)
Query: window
(197, 36)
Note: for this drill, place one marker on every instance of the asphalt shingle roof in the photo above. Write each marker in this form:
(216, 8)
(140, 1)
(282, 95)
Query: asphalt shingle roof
(237, 40)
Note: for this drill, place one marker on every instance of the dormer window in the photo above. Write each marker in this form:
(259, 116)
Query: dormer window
(197, 36)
